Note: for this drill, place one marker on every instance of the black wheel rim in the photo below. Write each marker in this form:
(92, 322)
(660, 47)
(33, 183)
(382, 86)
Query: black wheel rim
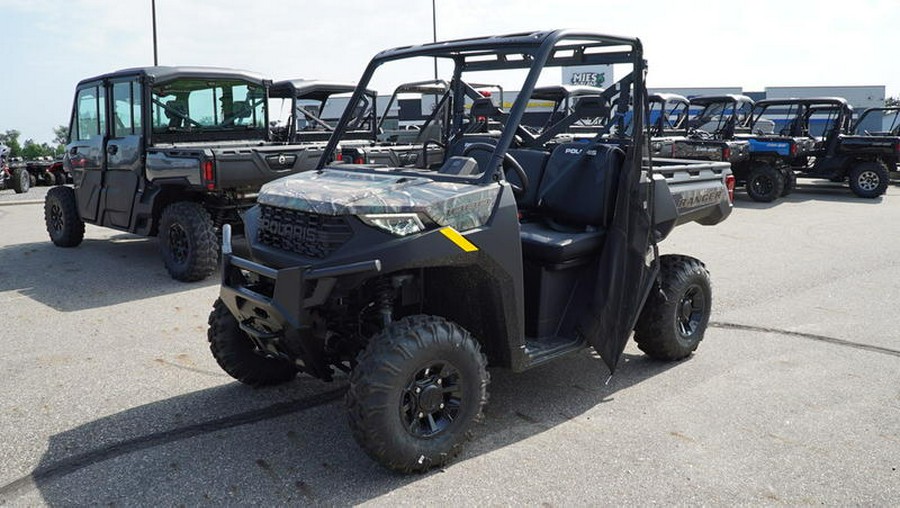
(432, 400)
(178, 243)
(691, 310)
(56, 218)
(762, 185)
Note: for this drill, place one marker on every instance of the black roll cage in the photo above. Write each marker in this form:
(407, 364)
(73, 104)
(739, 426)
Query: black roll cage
(321, 91)
(730, 123)
(533, 51)
(805, 108)
(895, 124)
(664, 100)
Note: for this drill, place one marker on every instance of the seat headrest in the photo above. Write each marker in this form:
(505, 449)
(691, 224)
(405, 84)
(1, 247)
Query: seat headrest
(592, 106)
(177, 105)
(485, 107)
(240, 109)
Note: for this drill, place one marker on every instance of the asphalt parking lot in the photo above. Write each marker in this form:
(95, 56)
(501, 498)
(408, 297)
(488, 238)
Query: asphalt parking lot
(109, 394)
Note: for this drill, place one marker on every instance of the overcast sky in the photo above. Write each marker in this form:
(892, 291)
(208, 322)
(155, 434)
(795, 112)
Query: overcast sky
(49, 45)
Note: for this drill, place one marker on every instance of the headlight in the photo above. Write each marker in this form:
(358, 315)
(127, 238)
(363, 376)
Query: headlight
(400, 224)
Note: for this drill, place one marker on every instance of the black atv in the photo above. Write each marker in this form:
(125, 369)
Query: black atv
(832, 152)
(514, 250)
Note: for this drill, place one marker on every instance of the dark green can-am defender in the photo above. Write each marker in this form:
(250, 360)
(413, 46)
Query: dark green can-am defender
(513, 250)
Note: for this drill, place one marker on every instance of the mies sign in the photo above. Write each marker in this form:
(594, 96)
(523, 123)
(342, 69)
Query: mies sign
(593, 75)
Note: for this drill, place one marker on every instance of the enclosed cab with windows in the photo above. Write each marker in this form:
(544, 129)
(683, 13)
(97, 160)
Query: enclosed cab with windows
(170, 151)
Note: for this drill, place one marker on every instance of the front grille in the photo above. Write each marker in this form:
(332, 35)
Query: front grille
(307, 234)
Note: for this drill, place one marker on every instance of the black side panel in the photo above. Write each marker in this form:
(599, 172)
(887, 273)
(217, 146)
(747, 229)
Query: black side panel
(121, 180)
(625, 276)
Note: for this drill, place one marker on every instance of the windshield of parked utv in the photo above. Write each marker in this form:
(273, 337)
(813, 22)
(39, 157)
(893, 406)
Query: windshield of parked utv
(467, 132)
(208, 109)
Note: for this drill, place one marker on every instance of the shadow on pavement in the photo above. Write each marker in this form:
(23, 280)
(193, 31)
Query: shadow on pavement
(97, 273)
(808, 191)
(289, 444)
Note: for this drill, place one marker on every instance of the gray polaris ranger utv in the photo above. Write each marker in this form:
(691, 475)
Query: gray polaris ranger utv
(512, 251)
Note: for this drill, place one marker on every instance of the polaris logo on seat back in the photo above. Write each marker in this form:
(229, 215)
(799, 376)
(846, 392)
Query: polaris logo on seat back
(578, 151)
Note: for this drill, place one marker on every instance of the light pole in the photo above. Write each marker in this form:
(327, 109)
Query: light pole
(433, 34)
(153, 8)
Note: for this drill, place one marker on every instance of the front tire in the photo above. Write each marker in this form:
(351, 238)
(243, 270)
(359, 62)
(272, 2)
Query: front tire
(187, 239)
(21, 180)
(674, 319)
(869, 179)
(61, 217)
(416, 391)
(235, 353)
(765, 183)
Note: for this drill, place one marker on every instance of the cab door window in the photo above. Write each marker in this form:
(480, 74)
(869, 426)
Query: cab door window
(90, 114)
(126, 109)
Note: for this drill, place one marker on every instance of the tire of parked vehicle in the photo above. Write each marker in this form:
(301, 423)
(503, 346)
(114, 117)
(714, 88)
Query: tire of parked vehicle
(188, 241)
(416, 391)
(61, 217)
(674, 319)
(21, 180)
(765, 183)
(869, 179)
(790, 181)
(59, 179)
(235, 353)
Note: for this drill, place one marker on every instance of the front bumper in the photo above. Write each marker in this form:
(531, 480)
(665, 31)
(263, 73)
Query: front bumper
(278, 319)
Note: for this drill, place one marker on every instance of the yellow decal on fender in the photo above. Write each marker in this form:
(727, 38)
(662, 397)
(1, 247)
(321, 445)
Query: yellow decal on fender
(460, 241)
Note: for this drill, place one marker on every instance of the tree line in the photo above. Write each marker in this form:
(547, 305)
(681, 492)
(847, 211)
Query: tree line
(30, 149)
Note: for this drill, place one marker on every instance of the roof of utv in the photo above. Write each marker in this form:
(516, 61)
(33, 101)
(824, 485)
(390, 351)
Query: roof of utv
(807, 101)
(473, 50)
(704, 100)
(165, 73)
(309, 89)
(668, 97)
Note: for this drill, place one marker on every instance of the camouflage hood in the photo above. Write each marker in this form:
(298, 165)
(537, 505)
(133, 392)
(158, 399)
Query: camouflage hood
(336, 192)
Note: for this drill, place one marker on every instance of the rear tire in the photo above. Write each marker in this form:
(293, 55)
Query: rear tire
(869, 179)
(765, 183)
(790, 181)
(61, 217)
(416, 391)
(235, 353)
(187, 239)
(21, 180)
(674, 319)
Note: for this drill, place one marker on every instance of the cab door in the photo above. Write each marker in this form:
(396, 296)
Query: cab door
(85, 153)
(124, 147)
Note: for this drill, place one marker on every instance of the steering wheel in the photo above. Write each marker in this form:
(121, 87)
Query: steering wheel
(507, 159)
